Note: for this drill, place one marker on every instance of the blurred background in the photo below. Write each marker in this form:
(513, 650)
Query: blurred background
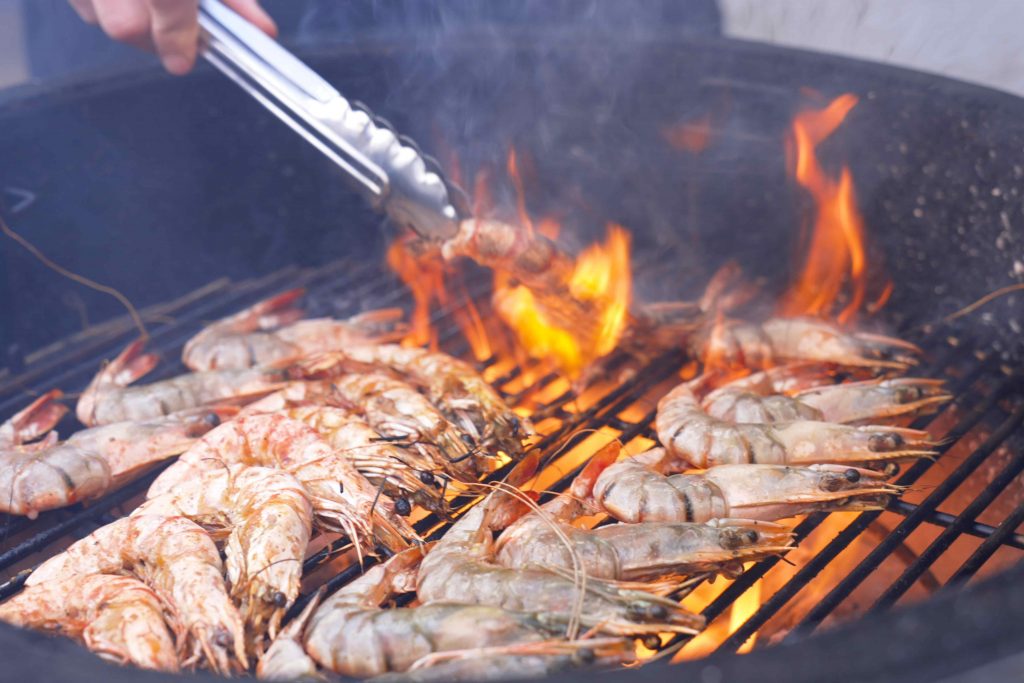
(972, 41)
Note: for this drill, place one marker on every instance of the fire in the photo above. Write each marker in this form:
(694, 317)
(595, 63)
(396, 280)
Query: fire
(835, 263)
(743, 609)
(512, 166)
(601, 281)
(690, 136)
(580, 319)
(425, 279)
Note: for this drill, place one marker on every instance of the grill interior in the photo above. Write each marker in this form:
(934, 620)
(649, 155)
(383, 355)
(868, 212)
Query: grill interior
(958, 519)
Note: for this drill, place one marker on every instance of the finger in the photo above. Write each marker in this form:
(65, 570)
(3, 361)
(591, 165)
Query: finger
(251, 10)
(175, 26)
(126, 21)
(85, 10)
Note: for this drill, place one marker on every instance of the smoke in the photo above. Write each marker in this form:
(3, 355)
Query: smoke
(468, 79)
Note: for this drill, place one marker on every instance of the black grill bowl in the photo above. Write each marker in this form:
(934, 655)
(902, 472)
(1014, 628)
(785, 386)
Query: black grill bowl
(158, 186)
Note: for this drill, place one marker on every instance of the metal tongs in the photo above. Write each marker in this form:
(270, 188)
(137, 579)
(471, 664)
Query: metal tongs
(390, 171)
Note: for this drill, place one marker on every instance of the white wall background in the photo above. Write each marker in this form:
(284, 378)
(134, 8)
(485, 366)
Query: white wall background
(974, 40)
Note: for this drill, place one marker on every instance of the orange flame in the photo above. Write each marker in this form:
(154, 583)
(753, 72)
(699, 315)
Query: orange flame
(425, 279)
(601, 281)
(512, 166)
(690, 136)
(580, 320)
(835, 264)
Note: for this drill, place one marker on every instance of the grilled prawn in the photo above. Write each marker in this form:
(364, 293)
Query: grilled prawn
(108, 398)
(33, 421)
(691, 434)
(179, 561)
(531, 258)
(350, 634)
(461, 568)
(266, 517)
(465, 398)
(343, 500)
(404, 474)
(805, 392)
(397, 411)
(49, 474)
(650, 488)
(271, 331)
(117, 617)
(787, 340)
(647, 551)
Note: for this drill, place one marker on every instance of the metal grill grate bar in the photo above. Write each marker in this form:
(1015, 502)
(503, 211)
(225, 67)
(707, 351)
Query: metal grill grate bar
(885, 548)
(969, 514)
(944, 519)
(985, 551)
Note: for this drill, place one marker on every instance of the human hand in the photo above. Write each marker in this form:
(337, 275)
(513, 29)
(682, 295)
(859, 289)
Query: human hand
(168, 27)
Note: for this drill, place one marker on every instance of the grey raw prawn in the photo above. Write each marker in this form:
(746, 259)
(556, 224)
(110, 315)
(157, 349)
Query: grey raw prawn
(807, 392)
(689, 433)
(352, 635)
(618, 552)
(462, 568)
(651, 487)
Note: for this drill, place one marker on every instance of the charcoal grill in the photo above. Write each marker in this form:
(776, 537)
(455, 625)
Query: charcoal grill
(936, 179)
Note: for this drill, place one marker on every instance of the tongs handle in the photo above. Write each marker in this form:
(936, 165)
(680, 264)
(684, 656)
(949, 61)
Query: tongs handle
(388, 170)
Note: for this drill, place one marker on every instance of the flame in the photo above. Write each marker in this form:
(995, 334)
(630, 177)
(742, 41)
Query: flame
(602, 274)
(469, 320)
(690, 136)
(424, 276)
(601, 280)
(835, 264)
(512, 166)
(539, 337)
(743, 609)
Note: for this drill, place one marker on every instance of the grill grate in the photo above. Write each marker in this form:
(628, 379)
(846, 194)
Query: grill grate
(988, 407)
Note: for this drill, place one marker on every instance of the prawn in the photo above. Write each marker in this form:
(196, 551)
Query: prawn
(352, 635)
(267, 519)
(647, 551)
(118, 617)
(785, 340)
(530, 258)
(758, 398)
(404, 474)
(689, 433)
(108, 398)
(650, 488)
(51, 474)
(397, 411)
(343, 500)
(464, 397)
(271, 331)
(461, 568)
(178, 560)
